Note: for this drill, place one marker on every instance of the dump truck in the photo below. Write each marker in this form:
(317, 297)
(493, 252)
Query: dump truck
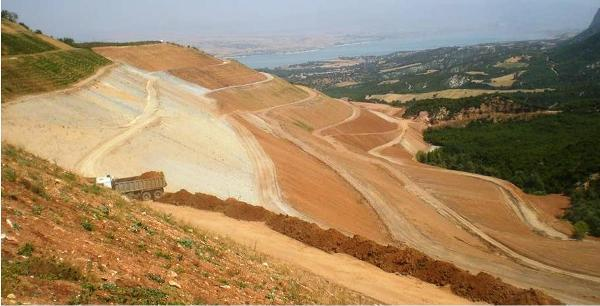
(148, 186)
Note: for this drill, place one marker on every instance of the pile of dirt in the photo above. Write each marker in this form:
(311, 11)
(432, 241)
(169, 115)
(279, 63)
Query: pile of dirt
(402, 260)
(151, 175)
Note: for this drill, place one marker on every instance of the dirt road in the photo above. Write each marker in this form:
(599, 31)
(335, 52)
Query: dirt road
(526, 215)
(404, 230)
(88, 164)
(337, 268)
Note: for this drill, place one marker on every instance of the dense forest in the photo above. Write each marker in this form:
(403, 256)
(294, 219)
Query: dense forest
(548, 154)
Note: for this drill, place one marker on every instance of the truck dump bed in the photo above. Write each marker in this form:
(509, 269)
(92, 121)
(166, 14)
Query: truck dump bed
(140, 183)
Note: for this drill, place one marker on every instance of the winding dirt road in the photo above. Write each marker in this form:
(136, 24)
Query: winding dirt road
(87, 165)
(404, 230)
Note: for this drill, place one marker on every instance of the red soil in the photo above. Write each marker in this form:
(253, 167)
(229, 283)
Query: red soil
(319, 192)
(366, 142)
(403, 260)
(151, 174)
(218, 76)
(366, 122)
(158, 57)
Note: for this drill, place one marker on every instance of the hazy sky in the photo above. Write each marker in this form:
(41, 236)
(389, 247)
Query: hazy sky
(183, 20)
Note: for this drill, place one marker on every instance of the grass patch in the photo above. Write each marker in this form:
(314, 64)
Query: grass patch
(37, 209)
(186, 243)
(9, 174)
(137, 225)
(93, 189)
(36, 187)
(43, 268)
(23, 43)
(47, 71)
(110, 293)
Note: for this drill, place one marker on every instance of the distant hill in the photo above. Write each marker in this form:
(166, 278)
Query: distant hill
(578, 59)
(594, 28)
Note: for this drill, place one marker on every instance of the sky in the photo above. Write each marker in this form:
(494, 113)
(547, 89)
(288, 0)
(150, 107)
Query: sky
(181, 20)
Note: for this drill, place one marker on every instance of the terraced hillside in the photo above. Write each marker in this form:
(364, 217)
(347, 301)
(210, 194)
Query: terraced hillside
(295, 151)
(34, 63)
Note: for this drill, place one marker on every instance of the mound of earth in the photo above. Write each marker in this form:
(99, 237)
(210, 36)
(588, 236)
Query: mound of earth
(403, 260)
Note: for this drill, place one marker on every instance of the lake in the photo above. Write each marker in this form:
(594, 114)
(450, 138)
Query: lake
(377, 47)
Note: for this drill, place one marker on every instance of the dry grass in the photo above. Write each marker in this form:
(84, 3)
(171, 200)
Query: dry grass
(447, 94)
(250, 98)
(217, 76)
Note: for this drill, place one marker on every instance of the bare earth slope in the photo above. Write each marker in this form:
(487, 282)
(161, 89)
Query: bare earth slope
(67, 242)
(294, 151)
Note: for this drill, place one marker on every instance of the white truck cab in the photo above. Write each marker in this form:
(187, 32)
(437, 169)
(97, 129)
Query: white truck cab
(105, 181)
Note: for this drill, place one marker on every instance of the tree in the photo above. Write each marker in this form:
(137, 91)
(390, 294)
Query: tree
(580, 228)
(11, 16)
(67, 40)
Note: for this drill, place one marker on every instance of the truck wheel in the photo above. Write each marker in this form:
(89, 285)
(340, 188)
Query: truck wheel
(146, 196)
(157, 194)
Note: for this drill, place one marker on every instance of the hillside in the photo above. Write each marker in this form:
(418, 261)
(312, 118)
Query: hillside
(66, 241)
(593, 28)
(217, 127)
(34, 63)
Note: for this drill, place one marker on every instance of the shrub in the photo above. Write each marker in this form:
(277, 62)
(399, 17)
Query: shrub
(580, 229)
(26, 250)
(93, 189)
(87, 225)
(186, 242)
(9, 174)
(155, 277)
(160, 254)
(37, 209)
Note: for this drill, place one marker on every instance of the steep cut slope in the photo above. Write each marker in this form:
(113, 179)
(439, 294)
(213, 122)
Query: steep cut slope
(285, 148)
(186, 63)
(34, 63)
(66, 241)
(158, 57)
(128, 121)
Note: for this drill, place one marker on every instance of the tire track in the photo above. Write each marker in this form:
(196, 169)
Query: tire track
(88, 164)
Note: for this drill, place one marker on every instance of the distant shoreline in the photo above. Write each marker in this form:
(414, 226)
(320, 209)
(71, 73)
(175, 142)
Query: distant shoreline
(368, 48)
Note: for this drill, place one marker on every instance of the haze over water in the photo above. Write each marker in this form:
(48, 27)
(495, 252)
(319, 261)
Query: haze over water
(375, 47)
(408, 24)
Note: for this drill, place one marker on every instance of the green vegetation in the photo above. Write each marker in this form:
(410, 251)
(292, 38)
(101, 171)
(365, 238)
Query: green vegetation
(25, 250)
(23, 43)
(10, 16)
(87, 225)
(43, 268)
(446, 109)
(47, 71)
(186, 243)
(585, 209)
(110, 293)
(548, 154)
(33, 64)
